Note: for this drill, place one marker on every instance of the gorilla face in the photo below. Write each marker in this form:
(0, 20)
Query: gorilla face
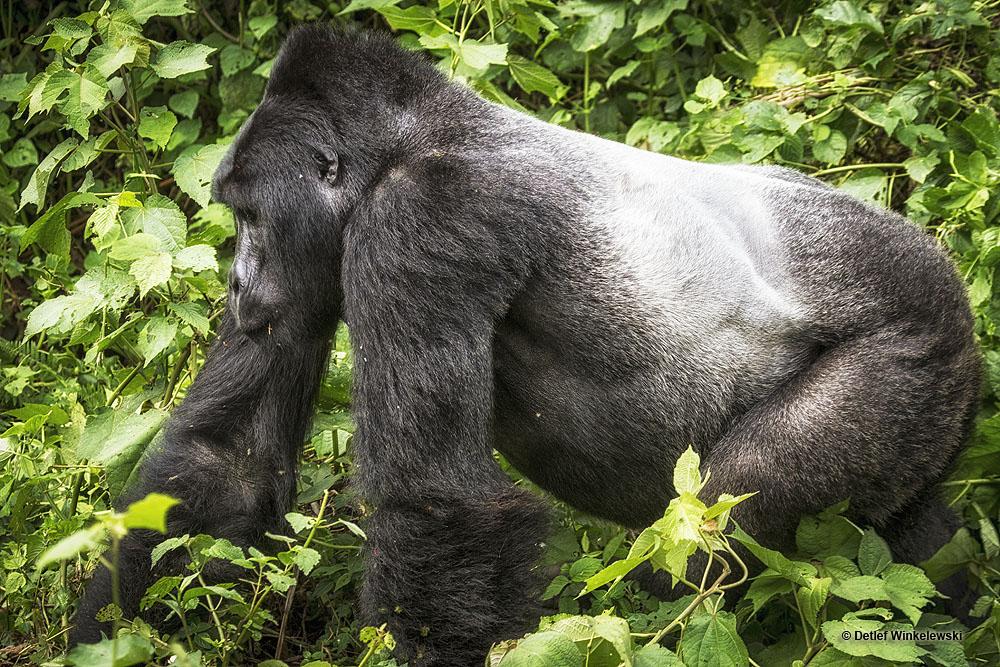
(281, 179)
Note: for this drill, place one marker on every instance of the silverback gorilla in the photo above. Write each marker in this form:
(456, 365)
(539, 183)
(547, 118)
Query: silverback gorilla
(586, 308)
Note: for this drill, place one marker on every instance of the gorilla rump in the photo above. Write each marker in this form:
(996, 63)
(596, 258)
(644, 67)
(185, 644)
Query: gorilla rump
(586, 308)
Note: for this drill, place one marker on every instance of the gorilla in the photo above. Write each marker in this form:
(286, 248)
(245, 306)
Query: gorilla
(585, 308)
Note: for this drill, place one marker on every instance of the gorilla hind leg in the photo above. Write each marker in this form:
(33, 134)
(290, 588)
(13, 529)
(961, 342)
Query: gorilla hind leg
(876, 419)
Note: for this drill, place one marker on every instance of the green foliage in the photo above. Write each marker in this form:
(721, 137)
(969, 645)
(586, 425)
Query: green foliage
(113, 117)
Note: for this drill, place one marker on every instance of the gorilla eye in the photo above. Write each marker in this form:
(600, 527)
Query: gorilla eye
(246, 217)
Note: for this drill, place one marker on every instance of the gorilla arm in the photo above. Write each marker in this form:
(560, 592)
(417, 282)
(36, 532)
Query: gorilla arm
(452, 543)
(229, 454)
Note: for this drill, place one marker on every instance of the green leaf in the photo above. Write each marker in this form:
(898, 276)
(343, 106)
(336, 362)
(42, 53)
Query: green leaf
(151, 270)
(781, 63)
(234, 58)
(154, 338)
(299, 522)
(533, 77)
(542, 649)
(167, 545)
(813, 597)
(711, 90)
(358, 5)
(156, 123)
(613, 572)
(306, 559)
(108, 59)
(143, 10)
(149, 513)
(134, 247)
(919, 168)
(766, 586)
(654, 655)
(597, 29)
(12, 86)
(417, 18)
(655, 15)
(622, 72)
(108, 433)
(161, 217)
(479, 56)
(711, 640)
(87, 539)
(21, 154)
(845, 13)
(854, 636)
(184, 103)
(789, 569)
(909, 589)
(127, 650)
(261, 25)
(193, 314)
(87, 92)
(179, 58)
(599, 639)
(873, 553)
(861, 588)
(196, 258)
(687, 476)
(193, 170)
(34, 191)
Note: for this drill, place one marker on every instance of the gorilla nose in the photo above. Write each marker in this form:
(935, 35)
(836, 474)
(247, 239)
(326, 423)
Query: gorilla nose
(237, 276)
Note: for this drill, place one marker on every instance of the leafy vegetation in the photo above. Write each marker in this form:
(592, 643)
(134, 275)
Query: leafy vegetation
(113, 116)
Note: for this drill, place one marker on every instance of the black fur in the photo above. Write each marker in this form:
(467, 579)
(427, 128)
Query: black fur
(513, 285)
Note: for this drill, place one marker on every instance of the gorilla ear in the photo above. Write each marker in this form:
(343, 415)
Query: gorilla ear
(326, 164)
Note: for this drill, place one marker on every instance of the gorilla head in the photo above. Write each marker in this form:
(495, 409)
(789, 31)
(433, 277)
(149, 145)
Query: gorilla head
(282, 180)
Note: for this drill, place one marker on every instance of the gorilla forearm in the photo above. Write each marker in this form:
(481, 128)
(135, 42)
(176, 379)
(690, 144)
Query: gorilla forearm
(229, 455)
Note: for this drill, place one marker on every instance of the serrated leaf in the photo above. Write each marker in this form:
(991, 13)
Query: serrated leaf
(127, 650)
(86, 96)
(161, 217)
(102, 220)
(299, 522)
(625, 70)
(143, 10)
(156, 124)
(155, 337)
(542, 649)
(306, 559)
(184, 103)
(235, 58)
(108, 59)
(848, 636)
(687, 476)
(179, 58)
(873, 553)
(533, 77)
(417, 18)
(197, 258)
(135, 247)
(261, 25)
(115, 438)
(150, 271)
(34, 191)
(167, 545)
(191, 313)
(193, 170)
(711, 640)
(479, 56)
